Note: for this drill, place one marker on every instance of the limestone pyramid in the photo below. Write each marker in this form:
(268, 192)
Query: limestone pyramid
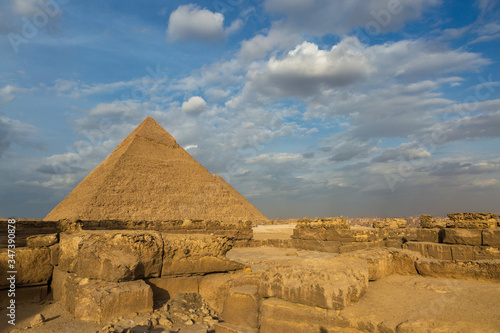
(150, 177)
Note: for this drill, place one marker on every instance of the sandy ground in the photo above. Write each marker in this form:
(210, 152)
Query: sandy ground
(57, 319)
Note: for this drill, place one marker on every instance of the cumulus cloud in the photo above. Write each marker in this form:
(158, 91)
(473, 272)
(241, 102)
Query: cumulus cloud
(190, 22)
(194, 106)
(261, 45)
(306, 69)
(333, 77)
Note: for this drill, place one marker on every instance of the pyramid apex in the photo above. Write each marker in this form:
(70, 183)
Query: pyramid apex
(150, 129)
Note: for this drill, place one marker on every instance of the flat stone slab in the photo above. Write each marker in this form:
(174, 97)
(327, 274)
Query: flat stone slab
(326, 283)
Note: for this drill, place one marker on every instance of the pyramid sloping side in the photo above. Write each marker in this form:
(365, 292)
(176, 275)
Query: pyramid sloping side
(244, 200)
(150, 177)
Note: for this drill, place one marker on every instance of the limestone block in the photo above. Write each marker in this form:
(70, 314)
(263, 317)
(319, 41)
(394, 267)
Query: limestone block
(196, 254)
(214, 288)
(353, 235)
(491, 237)
(96, 300)
(100, 301)
(307, 233)
(430, 250)
(462, 236)
(331, 283)
(316, 245)
(69, 244)
(54, 254)
(350, 247)
(325, 223)
(429, 222)
(473, 217)
(229, 328)
(32, 265)
(112, 255)
(282, 316)
(428, 235)
(59, 277)
(241, 307)
(488, 270)
(165, 288)
(386, 261)
(42, 240)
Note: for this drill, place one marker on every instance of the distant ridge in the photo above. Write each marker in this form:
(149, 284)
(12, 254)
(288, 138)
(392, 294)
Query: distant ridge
(150, 177)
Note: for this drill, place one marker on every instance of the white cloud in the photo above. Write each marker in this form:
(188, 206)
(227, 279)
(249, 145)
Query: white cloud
(194, 106)
(8, 93)
(190, 22)
(307, 68)
(349, 66)
(260, 45)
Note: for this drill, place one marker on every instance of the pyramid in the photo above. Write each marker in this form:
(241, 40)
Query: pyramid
(149, 177)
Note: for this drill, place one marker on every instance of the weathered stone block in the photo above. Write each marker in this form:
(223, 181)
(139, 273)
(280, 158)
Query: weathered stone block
(112, 255)
(306, 233)
(331, 283)
(488, 270)
(462, 236)
(214, 288)
(241, 307)
(54, 254)
(428, 235)
(354, 235)
(491, 237)
(429, 222)
(316, 245)
(229, 328)
(196, 254)
(42, 240)
(360, 246)
(96, 300)
(165, 288)
(57, 286)
(32, 265)
(281, 316)
(430, 250)
(100, 301)
(325, 223)
(386, 261)
(69, 244)
(473, 217)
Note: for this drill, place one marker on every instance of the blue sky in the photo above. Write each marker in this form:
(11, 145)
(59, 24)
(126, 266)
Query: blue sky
(307, 107)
